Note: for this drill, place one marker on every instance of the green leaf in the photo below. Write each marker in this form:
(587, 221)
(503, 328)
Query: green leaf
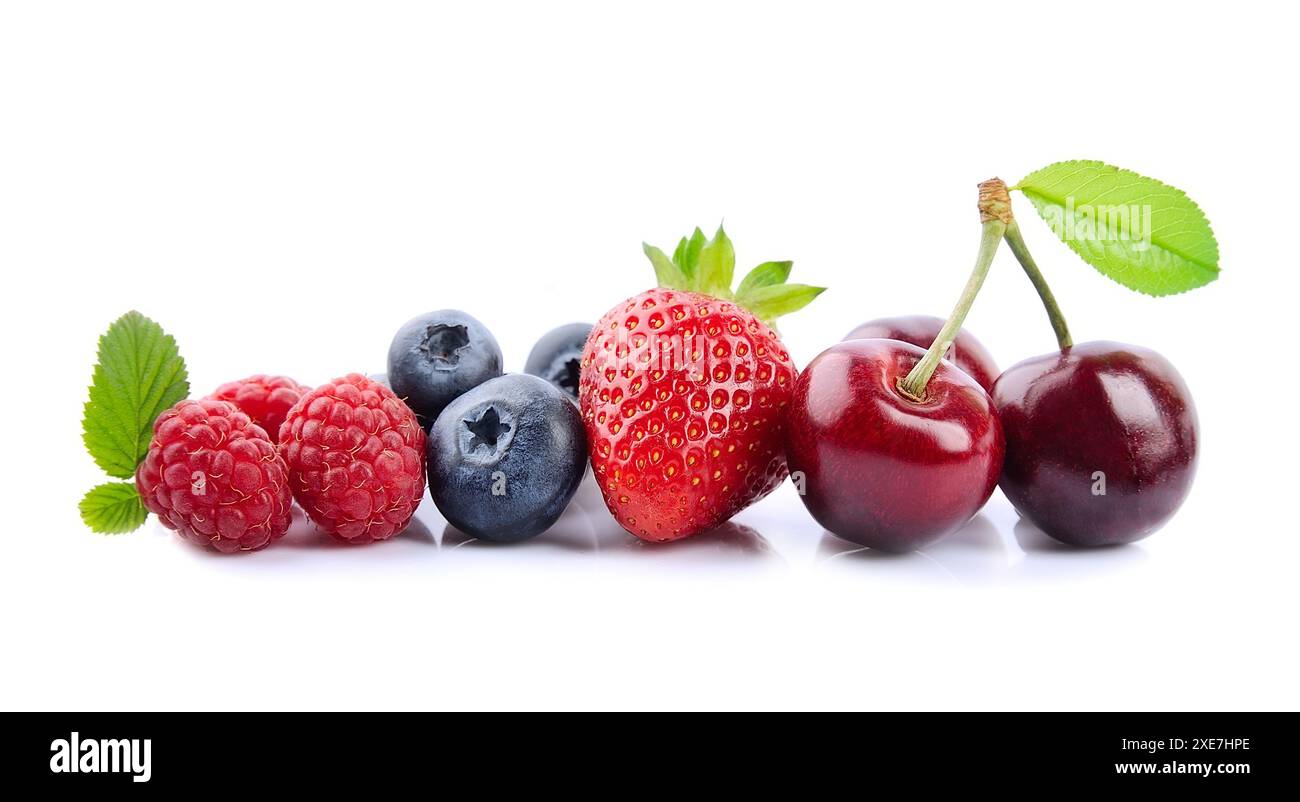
(679, 254)
(139, 374)
(765, 275)
(667, 273)
(708, 266)
(113, 508)
(716, 267)
(1142, 233)
(691, 253)
(769, 303)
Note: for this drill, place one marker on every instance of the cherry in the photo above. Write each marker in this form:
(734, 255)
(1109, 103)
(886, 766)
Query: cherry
(1101, 442)
(967, 353)
(880, 467)
(892, 446)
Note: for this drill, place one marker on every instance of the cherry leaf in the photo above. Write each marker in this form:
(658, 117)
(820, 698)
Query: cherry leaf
(1138, 231)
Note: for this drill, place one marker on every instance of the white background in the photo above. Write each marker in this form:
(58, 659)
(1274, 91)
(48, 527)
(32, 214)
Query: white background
(282, 185)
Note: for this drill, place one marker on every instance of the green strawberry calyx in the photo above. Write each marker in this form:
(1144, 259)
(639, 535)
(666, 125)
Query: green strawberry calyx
(708, 266)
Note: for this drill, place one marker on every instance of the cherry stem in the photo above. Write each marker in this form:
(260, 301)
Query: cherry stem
(1021, 250)
(995, 227)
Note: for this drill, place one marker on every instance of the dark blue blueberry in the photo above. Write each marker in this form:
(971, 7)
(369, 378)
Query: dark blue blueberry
(558, 355)
(506, 458)
(436, 357)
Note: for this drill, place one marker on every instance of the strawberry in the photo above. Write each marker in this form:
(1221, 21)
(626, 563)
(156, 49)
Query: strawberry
(684, 391)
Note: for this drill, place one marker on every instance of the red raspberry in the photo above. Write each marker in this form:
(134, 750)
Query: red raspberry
(215, 478)
(356, 459)
(265, 399)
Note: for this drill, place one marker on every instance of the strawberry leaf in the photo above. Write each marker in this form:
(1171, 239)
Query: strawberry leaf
(691, 253)
(708, 266)
(113, 508)
(1142, 233)
(667, 273)
(679, 253)
(769, 303)
(139, 374)
(716, 267)
(765, 275)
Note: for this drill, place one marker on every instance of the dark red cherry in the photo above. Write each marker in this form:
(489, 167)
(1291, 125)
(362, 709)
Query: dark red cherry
(883, 470)
(967, 353)
(1101, 442)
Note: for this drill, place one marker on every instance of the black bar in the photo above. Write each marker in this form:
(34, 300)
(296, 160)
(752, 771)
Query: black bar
(244, 751)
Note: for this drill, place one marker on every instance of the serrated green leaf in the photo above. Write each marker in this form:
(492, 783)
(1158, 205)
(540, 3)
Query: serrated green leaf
(666, 273)
(770, 303)
(1140, 232)
(765, 275)
(716, 266)
(113, 508)
(138, 375)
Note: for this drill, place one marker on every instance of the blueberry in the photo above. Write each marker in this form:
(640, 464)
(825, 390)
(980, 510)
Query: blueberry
(506, 458)
(557, 356)
(436, 357)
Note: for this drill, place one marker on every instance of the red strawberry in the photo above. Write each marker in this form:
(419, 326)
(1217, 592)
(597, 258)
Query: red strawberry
(684, 391)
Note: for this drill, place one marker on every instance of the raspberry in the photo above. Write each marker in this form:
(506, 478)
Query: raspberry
(355, 455)
(215, 477)
(265, 399)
